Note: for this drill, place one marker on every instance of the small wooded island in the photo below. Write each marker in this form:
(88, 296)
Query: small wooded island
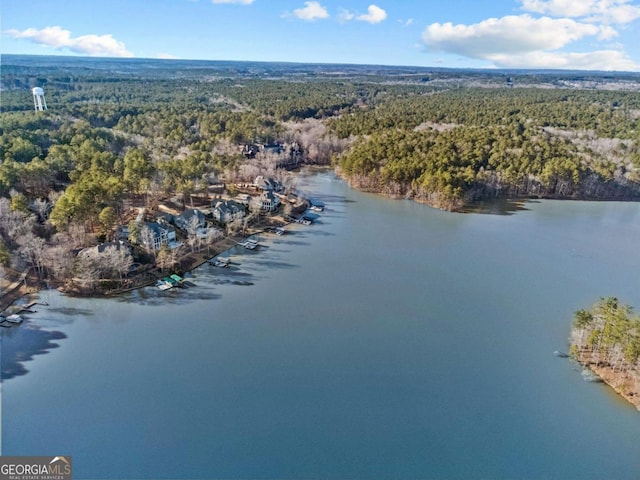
(606, 339)
(134, 167)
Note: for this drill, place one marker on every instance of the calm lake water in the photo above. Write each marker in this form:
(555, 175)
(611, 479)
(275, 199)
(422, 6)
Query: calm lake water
(387, 340)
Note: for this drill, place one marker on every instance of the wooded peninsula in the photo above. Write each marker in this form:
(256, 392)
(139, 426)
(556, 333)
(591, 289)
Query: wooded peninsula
(130, 150)
(606, 339)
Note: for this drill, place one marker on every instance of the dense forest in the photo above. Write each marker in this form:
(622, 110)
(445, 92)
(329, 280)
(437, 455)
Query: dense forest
(606, 338)
(120, 133)
(453, 147)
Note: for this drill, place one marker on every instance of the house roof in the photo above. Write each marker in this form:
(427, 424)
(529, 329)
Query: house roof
(189, 213)
(156, 228)
(103, 246)
(229, 206)
(270, 196)
(266, 183)
(267, 195)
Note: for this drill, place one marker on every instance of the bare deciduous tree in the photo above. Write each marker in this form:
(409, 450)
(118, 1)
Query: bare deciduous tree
(318, 145)
(86, 272)
(77, 235)
(213, 235)
(32, 249)
(146, 238)
(59, 260)
(109, 263)
(42, 208)
(163, 258)
(193, 225)
(118, 259)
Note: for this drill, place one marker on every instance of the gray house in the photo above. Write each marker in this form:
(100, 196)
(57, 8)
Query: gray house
(226, 211)
(268, 184)
(191, 219)
(99, 249)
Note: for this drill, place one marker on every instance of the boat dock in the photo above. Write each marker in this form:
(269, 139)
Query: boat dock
(250, 244)
(220, 262)
(29, 307)
(173, 280)
(12, 316)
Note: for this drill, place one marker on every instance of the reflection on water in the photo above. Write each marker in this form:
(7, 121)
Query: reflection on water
(152, 297)
(20, 344)
(499, 206)
(70, 311)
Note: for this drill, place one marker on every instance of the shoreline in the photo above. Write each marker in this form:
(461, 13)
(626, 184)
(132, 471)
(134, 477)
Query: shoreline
(9, 299)
(187, 263)
(625, 384)
(405, 192)
(619, 382)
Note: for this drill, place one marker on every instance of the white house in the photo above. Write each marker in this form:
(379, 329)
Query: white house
(153, 236)
(267, 201)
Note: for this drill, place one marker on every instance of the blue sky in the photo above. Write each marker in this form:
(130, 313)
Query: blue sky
(572, 34)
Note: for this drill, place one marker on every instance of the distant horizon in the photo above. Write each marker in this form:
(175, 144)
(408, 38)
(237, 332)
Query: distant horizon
(593, 35)
(333, 64)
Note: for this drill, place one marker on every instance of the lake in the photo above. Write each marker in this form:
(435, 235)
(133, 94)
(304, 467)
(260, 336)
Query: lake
(386, 340)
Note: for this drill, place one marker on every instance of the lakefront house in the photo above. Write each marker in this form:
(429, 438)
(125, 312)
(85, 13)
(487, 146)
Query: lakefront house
(190, 219)
(268, 184)
(267, 201)
(153, 236)
(225, 211)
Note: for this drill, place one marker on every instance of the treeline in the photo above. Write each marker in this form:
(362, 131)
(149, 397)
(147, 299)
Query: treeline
(606, 338)
(610, 114)
(453, 148)
(280, 100)
(608, 333)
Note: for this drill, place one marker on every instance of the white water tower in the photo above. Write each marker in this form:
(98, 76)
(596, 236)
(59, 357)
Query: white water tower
(38, 99)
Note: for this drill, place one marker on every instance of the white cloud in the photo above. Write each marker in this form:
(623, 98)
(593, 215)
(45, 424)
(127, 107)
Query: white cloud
(506, 35)
(59, 38)
(560, 8)
(166, 56)
(406, 23)
(238, 2)
(346, 15)
(607, 32)
(374, 15)
(602, 11)
(616, 14)
(523, 41)
(311, 11)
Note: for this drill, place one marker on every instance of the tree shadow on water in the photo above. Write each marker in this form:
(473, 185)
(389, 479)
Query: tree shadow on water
(500, 206)
(153, 297)
(269, 264)
(19, 346)
(297, 243)
(71, 311)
